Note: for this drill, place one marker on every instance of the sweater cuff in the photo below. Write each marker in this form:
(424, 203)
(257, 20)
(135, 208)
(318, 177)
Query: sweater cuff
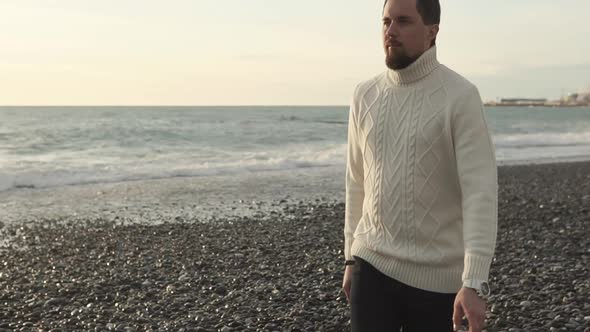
(476, 267)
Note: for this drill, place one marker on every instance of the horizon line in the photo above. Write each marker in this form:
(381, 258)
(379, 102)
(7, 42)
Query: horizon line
(183, 105)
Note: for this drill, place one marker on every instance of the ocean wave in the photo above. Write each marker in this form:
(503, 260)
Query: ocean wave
(546, 139)
(284, 118)
(173, 166)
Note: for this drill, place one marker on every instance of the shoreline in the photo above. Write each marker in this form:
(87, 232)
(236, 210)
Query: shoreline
(500, 163)
(281, 270)
(207, 197)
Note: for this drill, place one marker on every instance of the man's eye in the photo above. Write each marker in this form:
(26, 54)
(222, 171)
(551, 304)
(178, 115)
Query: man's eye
(403, 20)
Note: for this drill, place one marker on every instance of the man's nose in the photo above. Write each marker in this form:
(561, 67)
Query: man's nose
(392, 30)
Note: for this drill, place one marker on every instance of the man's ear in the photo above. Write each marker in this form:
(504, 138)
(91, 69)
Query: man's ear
(433, 31)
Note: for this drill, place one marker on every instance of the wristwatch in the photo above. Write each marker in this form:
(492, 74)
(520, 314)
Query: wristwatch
(481, 287)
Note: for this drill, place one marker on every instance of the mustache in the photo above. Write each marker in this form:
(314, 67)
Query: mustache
(393, 42)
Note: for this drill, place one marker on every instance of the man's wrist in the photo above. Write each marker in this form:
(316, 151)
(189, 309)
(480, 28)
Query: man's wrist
(349, 262)
(480, 286)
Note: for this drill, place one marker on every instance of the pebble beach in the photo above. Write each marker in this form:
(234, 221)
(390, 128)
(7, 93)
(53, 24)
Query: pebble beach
(179, 260)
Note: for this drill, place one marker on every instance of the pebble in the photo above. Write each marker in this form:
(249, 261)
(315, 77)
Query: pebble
(526, 303)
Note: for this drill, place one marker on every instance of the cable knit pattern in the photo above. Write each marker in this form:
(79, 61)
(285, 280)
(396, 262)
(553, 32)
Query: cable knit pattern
(421, 187)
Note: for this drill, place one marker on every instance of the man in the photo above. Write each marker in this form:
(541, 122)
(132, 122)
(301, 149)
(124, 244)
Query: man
(421, 187)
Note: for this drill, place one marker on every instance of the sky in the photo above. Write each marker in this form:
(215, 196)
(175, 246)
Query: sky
(272, 52)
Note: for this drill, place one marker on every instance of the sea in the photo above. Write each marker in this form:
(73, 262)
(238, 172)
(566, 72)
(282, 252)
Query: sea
(44, 147)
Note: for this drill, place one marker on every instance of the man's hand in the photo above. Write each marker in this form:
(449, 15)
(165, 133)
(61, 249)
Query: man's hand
(347, 281)
(469, 304)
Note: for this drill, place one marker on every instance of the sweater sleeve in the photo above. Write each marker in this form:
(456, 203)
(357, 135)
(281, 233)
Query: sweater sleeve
(354, 179)
(477, 171)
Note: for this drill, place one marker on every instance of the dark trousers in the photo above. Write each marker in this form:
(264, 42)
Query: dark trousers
(380, 303)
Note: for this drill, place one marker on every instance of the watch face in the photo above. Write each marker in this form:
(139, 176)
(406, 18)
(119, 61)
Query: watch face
(485, 288)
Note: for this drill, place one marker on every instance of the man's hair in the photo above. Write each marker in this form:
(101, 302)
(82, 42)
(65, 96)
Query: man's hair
(428, 9)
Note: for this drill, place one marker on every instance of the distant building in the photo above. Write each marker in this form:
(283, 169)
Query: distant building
(524, 101)
(571, 98)
(574, 99)
(577, 99)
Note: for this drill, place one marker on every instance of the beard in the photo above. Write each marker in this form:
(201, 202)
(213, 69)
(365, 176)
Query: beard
(398, 59)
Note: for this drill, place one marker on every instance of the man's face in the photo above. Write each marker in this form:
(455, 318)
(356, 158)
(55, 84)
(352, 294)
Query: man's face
(405, 36)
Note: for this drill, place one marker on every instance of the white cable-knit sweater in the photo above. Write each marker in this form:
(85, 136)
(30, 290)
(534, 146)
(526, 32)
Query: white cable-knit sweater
(421, 183)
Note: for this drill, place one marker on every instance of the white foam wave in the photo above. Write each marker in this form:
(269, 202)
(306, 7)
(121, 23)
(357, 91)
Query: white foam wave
(543, 139)
(173, 165)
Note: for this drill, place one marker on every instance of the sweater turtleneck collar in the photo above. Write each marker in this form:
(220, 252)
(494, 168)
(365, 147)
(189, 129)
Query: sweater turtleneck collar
(419, 69)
